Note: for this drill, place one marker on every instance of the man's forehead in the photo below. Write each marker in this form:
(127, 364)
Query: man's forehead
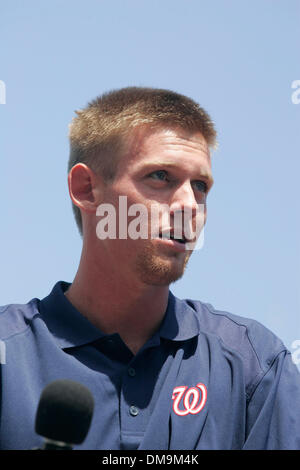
(167, 140)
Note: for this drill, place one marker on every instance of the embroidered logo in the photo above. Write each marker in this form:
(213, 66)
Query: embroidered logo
(192, 401)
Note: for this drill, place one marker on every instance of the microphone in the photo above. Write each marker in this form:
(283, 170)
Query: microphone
(64, 414)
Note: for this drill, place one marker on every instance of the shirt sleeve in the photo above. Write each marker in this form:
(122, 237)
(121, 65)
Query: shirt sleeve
(273, 413)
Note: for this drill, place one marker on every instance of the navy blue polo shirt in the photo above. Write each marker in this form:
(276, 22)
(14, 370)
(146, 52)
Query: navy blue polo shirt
(207, 379)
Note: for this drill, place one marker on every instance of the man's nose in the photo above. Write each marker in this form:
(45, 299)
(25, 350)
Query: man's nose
(187, 214)
(184, 200)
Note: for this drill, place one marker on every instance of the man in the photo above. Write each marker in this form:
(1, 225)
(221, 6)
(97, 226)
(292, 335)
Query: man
(165, 373)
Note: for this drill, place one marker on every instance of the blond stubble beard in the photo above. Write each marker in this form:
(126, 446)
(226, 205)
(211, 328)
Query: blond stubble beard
(158, 270)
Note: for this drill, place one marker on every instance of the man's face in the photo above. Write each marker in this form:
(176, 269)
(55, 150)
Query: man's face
(166, 169)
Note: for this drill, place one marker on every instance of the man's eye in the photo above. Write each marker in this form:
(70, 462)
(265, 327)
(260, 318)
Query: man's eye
(159, 175)
(201, 186)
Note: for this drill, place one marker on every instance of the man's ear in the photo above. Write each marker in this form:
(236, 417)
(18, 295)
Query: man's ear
(85, 187)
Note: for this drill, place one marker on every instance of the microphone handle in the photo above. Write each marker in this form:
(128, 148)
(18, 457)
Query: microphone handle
(50, 444)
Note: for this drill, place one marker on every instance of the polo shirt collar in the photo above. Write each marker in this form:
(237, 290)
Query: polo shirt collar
(70, 328)
(181, 322)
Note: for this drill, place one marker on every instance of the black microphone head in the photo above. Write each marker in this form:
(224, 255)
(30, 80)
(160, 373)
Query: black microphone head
(64, 412)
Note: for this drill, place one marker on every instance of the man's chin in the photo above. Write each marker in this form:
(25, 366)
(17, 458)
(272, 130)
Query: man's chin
(161, 279)
(161, 272)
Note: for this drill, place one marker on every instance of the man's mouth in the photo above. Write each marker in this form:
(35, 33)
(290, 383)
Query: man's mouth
(178, 241)
(170, 236)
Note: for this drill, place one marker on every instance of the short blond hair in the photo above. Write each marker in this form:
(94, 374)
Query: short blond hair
(99, 134)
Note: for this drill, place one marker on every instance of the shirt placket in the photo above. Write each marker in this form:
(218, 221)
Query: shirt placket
(134, 412)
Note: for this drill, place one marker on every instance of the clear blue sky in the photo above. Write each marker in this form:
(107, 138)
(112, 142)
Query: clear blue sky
(237, 58)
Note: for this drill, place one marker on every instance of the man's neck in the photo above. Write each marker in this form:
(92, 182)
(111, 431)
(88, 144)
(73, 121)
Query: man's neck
(116, 305)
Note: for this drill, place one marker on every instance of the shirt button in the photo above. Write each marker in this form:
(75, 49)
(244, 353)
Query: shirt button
(133, 411)
(131, 371)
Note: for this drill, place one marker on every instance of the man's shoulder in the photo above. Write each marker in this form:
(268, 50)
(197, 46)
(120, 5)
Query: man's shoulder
(16, 318)
(238, 331)
(233, 328)
(256, 345)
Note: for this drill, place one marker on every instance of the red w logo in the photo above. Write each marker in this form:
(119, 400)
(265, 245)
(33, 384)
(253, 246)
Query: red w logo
(191, 399)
